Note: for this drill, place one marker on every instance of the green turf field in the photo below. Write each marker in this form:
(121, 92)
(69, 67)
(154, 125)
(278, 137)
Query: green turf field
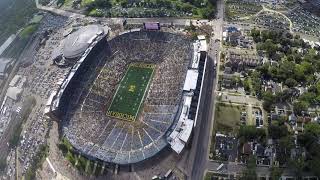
(130, 93)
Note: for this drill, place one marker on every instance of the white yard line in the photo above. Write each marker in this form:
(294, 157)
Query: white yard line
(52, 168)
(144, 94)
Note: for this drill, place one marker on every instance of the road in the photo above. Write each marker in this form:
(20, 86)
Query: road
(199, 149)
(202, 132)
(163, 21)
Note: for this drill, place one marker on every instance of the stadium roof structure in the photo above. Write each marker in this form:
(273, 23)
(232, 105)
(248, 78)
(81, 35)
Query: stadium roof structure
(191, 80)
(14, 92)
(181, 134)
(77, 43)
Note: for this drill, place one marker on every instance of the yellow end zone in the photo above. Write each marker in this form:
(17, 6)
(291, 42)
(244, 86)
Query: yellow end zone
(120, 115)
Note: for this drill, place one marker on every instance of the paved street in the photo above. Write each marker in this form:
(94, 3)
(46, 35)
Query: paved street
(199, 149)
(202, 132)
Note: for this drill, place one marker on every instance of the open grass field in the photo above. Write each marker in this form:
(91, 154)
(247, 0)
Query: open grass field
(28, 31)
(130, 93)
(227, 118)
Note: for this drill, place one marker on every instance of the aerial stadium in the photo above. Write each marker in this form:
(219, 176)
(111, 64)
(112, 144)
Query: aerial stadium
(128, 97)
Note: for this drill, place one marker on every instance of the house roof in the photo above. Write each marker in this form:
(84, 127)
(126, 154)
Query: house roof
(232, 29)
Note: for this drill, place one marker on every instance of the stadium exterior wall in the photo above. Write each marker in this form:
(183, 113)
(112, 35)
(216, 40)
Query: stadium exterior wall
(65, 98)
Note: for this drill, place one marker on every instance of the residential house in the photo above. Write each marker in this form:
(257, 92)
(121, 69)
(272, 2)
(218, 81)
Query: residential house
(239, 62)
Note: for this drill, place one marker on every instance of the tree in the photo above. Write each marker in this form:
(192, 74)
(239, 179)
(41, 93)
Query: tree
(313, 149)
(277, 132)
(286, 143)
(269, 47)
(186, 7)
(208, 12)
(246, 85)
(290, 82)
(300, 106)
(314, 165)
(264, 70)
(276, 173)
(268, 100)
(306, 139)
(297, 165)
(286, 70)
(284, 96)
(255, 33)
(308, 97)
(101, 4)
(251, 132)
(313, 128)
(309, 139)
(250, 172)
(256, 82)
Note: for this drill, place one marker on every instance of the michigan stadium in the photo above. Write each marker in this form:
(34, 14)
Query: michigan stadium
(128, 97)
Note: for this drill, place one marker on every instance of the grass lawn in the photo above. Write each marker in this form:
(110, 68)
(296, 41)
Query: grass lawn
(208, 176)
(227, 118)
(28, 31)
(86, 2)
(68, 3)
(131, 90)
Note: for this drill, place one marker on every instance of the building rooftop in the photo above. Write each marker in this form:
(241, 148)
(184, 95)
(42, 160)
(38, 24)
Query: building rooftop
(191, 80)
(14, 92)
(4, 63)
(76, 43)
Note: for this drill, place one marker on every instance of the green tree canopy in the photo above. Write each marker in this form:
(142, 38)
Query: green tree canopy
(251, 132)
(276, 173)
(300, 106)
(250, 172)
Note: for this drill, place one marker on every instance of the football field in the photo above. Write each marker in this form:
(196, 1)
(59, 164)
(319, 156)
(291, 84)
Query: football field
(130, 94)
